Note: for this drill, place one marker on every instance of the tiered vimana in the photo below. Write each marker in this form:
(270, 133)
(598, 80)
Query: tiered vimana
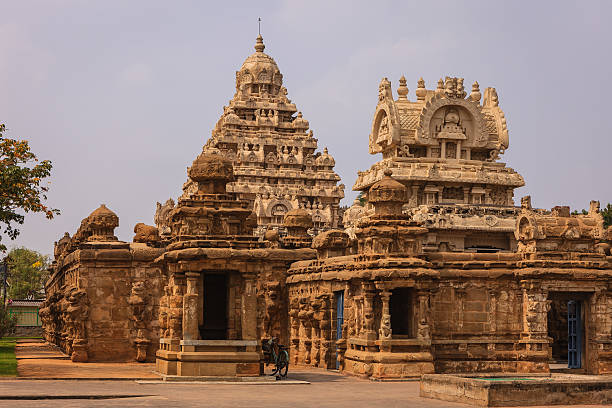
(276, 166)
(444, 148)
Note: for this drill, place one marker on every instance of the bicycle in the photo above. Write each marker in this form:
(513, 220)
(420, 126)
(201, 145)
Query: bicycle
(276, 354)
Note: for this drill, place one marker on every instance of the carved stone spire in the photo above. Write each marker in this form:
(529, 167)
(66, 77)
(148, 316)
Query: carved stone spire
(475, 95)
(421, 91)
(440, 88)
(402, 90)
(259, 45)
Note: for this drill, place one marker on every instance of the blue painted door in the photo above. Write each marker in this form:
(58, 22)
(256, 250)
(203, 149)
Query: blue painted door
(574, 334)
(339, 320)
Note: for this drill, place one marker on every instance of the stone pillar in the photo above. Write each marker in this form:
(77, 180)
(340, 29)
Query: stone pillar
(493, 310)
(458, 156)
(535, 310)
(443, 150)
(190, 308)
(423, 324)
(175, 306)
(384, 332)
(466, 195)
(325, 327)
(385, 319)
(368, 312)
(249, 307)
(534, 337)
(294, 321)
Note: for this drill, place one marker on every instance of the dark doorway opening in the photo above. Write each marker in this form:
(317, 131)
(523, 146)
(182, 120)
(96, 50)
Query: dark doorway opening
(339, 296)
(215, 307)
(400, 308)
(566, 330)
(557, 331)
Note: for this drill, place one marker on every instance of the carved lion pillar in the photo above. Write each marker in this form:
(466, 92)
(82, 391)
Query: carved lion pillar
(190, 307)
(384, 333)
(368, 312)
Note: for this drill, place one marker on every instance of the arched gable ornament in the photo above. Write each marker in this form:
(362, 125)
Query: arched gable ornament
(387, 117)
(277, 202)
(438, 102)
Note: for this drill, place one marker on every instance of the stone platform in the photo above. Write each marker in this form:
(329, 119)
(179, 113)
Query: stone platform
(511, 390)
(208, 358)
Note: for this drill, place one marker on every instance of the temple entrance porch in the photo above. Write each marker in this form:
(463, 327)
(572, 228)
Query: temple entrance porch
(216, 332)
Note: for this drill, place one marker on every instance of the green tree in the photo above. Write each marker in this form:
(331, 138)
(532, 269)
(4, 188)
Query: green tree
(7, 322)
(362, 199)
(21, 184)
(27, 273)
(606, 212)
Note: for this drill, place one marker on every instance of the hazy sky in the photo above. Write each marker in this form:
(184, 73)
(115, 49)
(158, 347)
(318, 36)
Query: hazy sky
(121, 95)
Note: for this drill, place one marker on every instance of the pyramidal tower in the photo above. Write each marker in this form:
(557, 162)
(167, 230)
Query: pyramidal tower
(276, 164)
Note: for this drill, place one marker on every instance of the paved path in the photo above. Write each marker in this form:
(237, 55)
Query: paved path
(37, 359)
(324, 388)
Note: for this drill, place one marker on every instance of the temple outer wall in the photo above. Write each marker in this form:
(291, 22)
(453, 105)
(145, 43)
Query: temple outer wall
(112, 288)
(484, 313)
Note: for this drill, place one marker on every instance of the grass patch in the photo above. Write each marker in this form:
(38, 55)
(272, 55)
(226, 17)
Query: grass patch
(8, 362)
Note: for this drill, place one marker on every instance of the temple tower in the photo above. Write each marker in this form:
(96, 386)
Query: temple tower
(444, 147)
(276, 164)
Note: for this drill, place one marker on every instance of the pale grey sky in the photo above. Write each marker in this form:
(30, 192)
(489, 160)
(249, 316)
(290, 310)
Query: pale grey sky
(121, 95)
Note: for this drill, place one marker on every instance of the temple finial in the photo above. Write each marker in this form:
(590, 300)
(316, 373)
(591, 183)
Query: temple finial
(402, 90)
(259, 45)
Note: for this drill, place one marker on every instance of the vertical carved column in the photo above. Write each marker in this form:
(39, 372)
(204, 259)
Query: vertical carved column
(368, 312)
(535, 309)
(460, 296)
(294, 321)
(301, 358)
(493, 310)
(385, 320)
(175, 306)
(384, 332)
(249, 308)
(600, 352)
(190, 307)
(308, 323)
(325, 327)
(424, 328)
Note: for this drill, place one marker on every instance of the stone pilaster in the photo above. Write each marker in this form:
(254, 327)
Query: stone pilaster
(190, 307)
(249, 307)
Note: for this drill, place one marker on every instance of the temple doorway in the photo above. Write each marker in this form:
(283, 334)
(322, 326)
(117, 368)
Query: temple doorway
(339, 297)
(400, 307)
(215, 307)
(566, 330)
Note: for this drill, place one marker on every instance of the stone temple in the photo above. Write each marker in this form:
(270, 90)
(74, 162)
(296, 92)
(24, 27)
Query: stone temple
(439, 271)
(276, 165)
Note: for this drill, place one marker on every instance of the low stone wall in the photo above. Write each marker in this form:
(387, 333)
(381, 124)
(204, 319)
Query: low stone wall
(517, 390)
(28, 331)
